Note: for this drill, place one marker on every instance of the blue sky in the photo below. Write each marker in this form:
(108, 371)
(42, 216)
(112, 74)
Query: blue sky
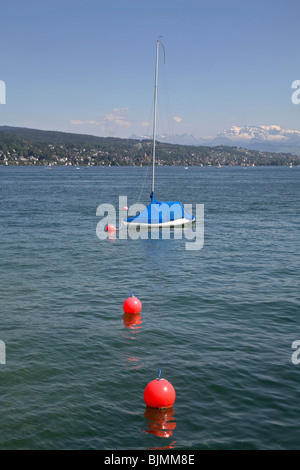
(87, 66)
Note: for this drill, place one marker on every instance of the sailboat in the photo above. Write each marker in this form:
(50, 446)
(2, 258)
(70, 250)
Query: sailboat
(159, 213)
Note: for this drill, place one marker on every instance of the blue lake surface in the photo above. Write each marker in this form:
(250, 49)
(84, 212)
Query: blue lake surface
(219, 321)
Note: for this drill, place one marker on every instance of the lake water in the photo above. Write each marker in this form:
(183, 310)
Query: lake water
(219, 321)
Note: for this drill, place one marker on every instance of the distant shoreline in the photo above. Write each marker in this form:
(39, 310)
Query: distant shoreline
(32, 147)
(86, 167)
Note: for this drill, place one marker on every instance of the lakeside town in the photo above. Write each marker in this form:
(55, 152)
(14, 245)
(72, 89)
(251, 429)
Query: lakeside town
(30, 147)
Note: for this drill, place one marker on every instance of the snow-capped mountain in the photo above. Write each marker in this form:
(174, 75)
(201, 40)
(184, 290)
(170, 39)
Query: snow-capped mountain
(267, 138)
(264, 133)
(182, 139)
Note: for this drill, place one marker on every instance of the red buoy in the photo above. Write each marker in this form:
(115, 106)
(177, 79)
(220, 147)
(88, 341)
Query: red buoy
(110, 228)
(132, 304)
(159, 393)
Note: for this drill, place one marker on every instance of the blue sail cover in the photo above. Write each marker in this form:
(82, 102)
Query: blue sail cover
(160, 212)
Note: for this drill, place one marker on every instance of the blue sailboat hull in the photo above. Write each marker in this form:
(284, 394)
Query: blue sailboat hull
(161, 213)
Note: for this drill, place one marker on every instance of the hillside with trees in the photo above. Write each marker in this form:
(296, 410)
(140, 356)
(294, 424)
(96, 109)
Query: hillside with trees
(23, 146)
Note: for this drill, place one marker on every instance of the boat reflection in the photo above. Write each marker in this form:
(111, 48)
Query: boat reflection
(160, 422)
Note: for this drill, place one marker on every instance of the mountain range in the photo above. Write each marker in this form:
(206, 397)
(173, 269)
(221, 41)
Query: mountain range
(266, 138)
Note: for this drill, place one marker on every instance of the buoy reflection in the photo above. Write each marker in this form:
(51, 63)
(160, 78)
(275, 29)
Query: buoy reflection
(133, 324)
(160, 422)
(111, 237)
(133, 363)
(132, 321)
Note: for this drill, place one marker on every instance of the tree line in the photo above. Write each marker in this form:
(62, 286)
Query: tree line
(35, 147)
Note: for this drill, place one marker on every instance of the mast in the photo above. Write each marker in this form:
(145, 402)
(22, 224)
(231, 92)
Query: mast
(155, 101)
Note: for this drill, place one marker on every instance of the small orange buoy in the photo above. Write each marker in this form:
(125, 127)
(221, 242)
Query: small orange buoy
(132, 304)
(110, 228)
(159, 393)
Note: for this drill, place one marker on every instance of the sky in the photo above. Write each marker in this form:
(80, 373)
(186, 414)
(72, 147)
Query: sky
(87, 66)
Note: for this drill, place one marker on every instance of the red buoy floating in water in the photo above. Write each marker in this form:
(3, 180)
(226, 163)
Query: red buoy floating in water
(159, 393)
(132, 304)
(110, 228)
